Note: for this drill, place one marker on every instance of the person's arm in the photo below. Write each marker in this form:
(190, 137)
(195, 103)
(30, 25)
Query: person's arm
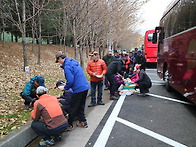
(104, 67)
(35, 114)
(88, 69)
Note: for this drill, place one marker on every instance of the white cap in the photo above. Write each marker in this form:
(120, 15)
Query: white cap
(41, 90)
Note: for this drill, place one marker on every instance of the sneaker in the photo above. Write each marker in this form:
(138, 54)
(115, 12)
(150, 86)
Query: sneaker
(82, 124)
(46, 142)
(113, 98)
(100, 103)
(92, 104)
(26, 107)
(58, 138)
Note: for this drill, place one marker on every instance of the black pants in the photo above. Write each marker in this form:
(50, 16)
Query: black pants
(113, 83)
(28, 98)
(144, 86)
(77, 105)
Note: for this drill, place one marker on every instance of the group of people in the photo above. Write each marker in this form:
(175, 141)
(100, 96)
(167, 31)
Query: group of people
(49, 119)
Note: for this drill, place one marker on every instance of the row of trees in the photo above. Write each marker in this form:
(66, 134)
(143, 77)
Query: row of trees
(87, 24)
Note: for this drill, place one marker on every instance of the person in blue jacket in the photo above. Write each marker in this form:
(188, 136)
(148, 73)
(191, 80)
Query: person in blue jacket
(78, 83)
(29, 91)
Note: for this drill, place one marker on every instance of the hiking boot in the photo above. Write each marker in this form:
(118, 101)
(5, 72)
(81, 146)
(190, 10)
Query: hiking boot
(92, 104)
(100, 103)
(113, 98)
(82, 124)
(46, 142)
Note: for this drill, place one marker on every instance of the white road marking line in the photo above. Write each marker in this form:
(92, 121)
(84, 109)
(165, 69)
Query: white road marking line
(158, 84)
(105, 133)
(151, 69)
(155, 81)
(150, 133)
(170, 99)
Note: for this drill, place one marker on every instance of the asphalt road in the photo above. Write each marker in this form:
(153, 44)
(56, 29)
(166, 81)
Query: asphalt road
(160, 119)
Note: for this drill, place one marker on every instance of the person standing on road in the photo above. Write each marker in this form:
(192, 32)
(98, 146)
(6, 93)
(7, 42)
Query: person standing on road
(48, 118)
(78, 83)
(29, 91)
(114, 68)
(144, 81)
(96, 68)
(108, 58)
(140, 59)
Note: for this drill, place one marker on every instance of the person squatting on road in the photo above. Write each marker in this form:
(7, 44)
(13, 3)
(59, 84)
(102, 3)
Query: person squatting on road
(48, 118)
(114, 68)
(144, 81)
(29, 91)
(78, 83)
(96, 68)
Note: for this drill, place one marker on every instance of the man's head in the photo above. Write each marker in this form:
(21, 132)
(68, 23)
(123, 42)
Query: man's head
(39, 81)
(137, 68)
(60, 84)
(94, 55)
(60, 57)
(41, 90)
(109, 53)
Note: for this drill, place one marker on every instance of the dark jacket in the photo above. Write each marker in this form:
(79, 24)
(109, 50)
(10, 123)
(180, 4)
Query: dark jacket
(143, 77)
(67, 99)
(115, 67)
(107, 59)
(140, 59)
(74, 75)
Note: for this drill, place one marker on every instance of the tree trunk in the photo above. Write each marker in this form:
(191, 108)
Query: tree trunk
(33, 29)
(24, 35)
(39, 40)
(75, 41)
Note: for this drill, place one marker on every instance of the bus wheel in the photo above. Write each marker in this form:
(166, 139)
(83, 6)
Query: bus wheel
(167, 85)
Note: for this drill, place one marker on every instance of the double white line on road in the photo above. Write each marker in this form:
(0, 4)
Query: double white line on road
(105, 133)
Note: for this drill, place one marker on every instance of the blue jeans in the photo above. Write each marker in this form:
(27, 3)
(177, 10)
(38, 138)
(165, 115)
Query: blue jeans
(94, 85)
(41, 129)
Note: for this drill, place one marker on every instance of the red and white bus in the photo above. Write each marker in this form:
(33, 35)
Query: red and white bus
(150, 49)
(176, 36)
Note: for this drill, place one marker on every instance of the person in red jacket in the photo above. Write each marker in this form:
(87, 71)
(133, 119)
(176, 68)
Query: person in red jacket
(48, 118)
(96, 68)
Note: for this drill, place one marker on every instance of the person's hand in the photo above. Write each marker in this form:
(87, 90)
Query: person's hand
(95, 73)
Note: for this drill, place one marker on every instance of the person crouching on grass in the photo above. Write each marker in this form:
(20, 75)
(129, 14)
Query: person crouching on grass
(53, 121)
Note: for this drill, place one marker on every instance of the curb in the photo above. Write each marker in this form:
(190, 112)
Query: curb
(19, 138)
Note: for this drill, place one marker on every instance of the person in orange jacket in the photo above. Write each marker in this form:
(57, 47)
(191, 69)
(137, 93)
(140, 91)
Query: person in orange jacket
(96, 68)
(48, 118)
